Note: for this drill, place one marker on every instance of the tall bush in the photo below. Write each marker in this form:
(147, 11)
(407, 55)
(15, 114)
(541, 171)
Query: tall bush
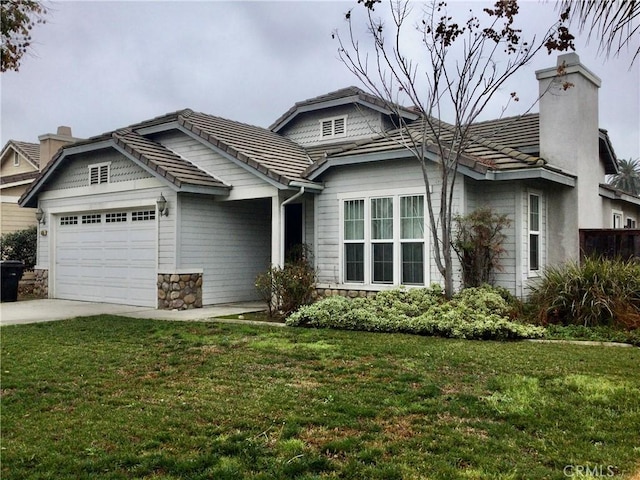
(597, 292)
(20, 245)
(478, 242)
(285, 289)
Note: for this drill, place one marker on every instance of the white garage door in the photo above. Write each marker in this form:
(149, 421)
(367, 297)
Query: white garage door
(107, 257)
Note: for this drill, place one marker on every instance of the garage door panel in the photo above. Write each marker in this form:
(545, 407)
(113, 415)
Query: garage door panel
(112, 262)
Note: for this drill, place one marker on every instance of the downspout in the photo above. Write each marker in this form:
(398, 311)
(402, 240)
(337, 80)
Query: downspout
(282, 221)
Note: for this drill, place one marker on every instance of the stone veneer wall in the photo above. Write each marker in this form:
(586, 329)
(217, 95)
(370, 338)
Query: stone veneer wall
(332, 292)
(41, 283)
(179, 291)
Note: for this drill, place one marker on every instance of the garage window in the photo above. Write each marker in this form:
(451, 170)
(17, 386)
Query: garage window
(91, 218)
(143, 215)
(71, 220)
(116, 217)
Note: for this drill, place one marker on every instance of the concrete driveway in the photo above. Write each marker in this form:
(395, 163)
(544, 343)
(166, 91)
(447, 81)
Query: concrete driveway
(33, 311)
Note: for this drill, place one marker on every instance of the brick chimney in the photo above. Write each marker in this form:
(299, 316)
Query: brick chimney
(50, 143)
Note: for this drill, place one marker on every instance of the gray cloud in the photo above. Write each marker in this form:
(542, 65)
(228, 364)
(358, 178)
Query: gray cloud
(103, 65)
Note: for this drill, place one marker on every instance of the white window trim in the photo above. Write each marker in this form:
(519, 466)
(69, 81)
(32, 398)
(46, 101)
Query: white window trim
(620, 215)
(99, 166)
(333, 127)
(397, 241)
(539, 232)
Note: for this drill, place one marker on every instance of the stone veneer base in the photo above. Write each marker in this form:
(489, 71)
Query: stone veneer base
(333, 292)
(41, 283)
(179, 291)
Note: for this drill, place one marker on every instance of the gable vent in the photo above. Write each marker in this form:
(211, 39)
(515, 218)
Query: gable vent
(98, 174)
(333, 127)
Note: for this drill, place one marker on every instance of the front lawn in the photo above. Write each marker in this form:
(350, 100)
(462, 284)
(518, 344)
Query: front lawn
(111, 397)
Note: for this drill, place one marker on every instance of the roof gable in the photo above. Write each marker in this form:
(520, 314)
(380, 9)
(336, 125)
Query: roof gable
(344, 96)
(29, 151)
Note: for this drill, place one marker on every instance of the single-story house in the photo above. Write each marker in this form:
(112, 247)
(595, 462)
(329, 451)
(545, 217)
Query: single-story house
(187, 208)
(20, 165)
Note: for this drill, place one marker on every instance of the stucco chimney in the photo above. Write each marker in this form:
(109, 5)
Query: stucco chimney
(50, 143)
(569, 132)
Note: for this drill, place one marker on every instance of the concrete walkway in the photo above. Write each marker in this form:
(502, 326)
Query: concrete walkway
(33, 311)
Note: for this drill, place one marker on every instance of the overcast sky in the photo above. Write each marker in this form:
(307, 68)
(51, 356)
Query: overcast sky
(99, 66)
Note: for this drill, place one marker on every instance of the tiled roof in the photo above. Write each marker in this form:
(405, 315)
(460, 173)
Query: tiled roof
(481, 154)
(174, 168)
(31, 151)
(267, 152)
(521, 133)
(18, 177)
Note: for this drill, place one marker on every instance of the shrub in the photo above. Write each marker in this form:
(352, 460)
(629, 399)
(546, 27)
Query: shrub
(21, 245)
(285, 289)
(478, 243)
(598, 292)
(475, 313)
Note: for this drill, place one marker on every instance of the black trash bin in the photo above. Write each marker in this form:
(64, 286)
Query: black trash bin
(11, 273)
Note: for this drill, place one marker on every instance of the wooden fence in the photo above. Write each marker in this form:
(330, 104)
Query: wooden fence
(610, 243)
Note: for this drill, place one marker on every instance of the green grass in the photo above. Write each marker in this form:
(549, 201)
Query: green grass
(112, 397)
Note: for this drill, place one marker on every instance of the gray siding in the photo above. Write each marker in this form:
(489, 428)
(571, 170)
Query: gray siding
(76, 171)
(381, 177)
(502, 199)
(229, 241)
(361, 123)
(208, 160)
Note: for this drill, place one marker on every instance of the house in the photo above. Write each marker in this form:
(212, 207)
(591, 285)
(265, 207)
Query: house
(187, 208)
(20, 165)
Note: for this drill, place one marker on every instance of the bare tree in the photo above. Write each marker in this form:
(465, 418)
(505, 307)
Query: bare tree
(18, 19)
(461, 73)
(615, 22)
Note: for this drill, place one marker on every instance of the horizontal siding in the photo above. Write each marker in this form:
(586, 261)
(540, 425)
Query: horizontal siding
(370, 178)
(208, 160)
(76, 171)
(14, 217)
(501, 198)
(229, 241)
(361, 123)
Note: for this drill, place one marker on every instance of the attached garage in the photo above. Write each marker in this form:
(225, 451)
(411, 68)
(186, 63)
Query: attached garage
(107, 257)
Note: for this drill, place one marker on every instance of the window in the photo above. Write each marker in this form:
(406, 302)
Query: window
(534, 232)
(91, 218)
(412, 239)
(333, 127)
(99, 173)
(16, 159)
(143, 215)
(631, 223)
(71, 220)
(617, 219)
(383, 240)
(116, 217)
(354, 240)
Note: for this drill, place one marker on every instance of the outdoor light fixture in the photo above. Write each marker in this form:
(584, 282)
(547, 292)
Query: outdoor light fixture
(40, 216)
(162, 205)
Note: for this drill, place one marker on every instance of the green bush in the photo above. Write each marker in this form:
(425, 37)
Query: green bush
(475, 313)
(21, 245)
(597, 292)
(285, 289)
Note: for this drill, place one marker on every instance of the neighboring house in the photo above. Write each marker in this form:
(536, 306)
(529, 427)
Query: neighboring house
(20, 165)
(187, 208)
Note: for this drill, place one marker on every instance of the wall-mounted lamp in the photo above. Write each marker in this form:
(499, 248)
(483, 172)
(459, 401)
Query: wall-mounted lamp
(162, 206)
(40, 216)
